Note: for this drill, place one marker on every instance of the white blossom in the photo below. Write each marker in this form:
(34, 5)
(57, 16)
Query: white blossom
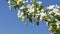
(50, 12)
(56, 6)
(39, 2)
(37, 15)
(50, 7)
(58, 26)
(18, 2)
(29, 5)
(57, 20)
(20, 13)
(49, 19)
(23, 18)
(58, 23)
(55, 9)
(50, 26)
(57, 12)
(10, 6)
(23, 1)
(22, 7)
(47, 23)
(42, 15)
(31, 9)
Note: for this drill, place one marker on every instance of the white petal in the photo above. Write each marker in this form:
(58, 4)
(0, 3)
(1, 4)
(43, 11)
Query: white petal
(39, 2)
(50, 7)
(28, 6)
(57, 26)
(57, 23)
(22, 7)
(42, 14)
(50, 26)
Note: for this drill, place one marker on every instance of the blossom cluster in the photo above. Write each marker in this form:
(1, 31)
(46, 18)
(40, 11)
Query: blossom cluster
(54, 11)
(30, 12)
(35, 12)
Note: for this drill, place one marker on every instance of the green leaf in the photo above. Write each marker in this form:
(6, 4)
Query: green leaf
(45, 18)
(53, 20)
(21, 4)
(36, 5)
(15, 0)
(35, 0)
(58, 8)
(35, 11)
(16, 6)
(37, 23)
(57, 17)
(58, 31)
(41, 7)
(38, 17)
(29, 17)
(46, 10)
(25, 11)
(54, 25)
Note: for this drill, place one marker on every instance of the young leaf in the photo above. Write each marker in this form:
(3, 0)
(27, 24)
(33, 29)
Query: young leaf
(57, 17)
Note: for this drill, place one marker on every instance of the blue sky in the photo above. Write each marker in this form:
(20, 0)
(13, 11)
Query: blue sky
(10, 24)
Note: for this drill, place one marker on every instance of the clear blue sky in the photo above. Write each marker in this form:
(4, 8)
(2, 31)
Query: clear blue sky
(10, 24)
